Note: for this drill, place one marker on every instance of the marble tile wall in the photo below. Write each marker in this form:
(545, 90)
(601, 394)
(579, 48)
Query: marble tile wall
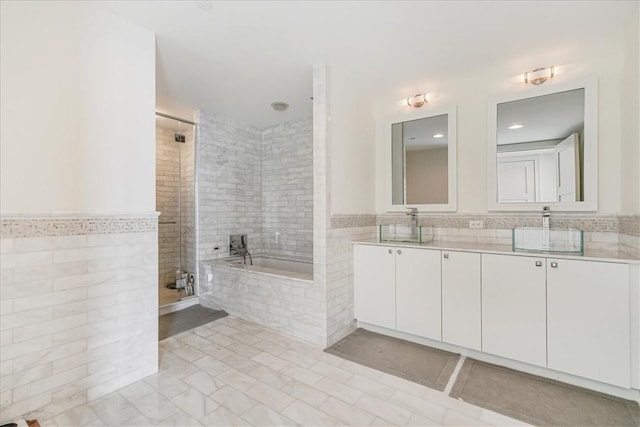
(78, 309)
(321, 181)
(287, 189)
(630, 233)
(229, 185)
(340, 317)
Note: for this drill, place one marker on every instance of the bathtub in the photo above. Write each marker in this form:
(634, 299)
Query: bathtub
(277, 266)
(274, 292)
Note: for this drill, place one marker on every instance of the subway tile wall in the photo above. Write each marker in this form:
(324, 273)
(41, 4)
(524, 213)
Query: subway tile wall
(257, 182)
(79, 310)
(287, 189)
(229, 185)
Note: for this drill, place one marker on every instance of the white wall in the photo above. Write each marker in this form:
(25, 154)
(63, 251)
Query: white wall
(351, 148)
(630, 119)
(471, 90)
(77, 111)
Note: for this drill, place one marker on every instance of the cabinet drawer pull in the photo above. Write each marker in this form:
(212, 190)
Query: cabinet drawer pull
(554, 265)
(390, 251)
(538, 263)
(446, 256)
(399, 252)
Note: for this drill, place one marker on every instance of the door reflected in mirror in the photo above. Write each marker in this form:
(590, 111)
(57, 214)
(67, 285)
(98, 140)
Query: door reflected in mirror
(540, 148)
(420, 161)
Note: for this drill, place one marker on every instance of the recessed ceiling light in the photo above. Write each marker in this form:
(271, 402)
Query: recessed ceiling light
(515, 126)
(438, 135)
(279, 106)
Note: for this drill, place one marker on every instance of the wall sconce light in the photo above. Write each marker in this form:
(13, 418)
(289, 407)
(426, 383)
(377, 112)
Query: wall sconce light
(417, 101)
(539, 75)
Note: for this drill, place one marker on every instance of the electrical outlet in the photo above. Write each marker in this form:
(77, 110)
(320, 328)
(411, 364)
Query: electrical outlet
(476, 224)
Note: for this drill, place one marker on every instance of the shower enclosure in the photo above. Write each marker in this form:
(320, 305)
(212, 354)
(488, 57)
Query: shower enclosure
(175, 200)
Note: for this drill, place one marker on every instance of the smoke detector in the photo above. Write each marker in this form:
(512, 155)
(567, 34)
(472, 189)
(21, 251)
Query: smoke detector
(279, 106)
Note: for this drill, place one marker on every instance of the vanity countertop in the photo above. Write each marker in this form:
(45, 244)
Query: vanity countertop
(630, 257)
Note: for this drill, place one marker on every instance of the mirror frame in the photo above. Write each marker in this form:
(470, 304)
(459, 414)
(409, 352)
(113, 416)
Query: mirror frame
(590, 161)
(452, 157)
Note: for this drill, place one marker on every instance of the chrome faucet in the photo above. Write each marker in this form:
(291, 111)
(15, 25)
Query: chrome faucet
(546, 220)
(414, 221)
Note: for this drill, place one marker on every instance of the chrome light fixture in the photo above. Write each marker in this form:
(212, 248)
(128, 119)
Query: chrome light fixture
(539, 75)
(417, 101)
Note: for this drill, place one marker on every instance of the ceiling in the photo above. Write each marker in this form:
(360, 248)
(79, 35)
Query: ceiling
(234, 58)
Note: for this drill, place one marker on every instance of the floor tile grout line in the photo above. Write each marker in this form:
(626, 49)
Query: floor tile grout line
(454, 375)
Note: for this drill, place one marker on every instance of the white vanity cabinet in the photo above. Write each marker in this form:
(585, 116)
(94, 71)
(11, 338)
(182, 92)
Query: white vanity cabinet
(572, 316)
(514, 308)
(398, 288)
(374, 278)
(461, 296)
(418, 292)
(588, 319)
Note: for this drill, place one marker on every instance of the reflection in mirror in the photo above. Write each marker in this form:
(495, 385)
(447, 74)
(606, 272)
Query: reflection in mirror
(420, 158)
(540, 148)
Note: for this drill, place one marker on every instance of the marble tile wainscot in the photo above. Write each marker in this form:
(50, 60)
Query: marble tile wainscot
(79, 308)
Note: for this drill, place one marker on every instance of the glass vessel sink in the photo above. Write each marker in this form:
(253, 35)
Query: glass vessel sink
(537, 239)
(405, 233)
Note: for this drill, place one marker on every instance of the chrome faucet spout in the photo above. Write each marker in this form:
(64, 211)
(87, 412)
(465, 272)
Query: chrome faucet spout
(414, 223)
(546, 221)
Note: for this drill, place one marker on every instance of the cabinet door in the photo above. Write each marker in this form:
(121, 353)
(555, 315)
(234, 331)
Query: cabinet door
(588, 319)
(374, 285)
(418, 294)
(514, 308)
(461, 299)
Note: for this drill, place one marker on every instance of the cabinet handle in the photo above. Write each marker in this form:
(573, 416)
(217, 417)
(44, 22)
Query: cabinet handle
(445, 256)
(554, 265)
(538, 263)
(399, 252)
(390, 251)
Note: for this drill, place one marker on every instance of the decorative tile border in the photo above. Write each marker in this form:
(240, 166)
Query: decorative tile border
(630, 224)
(589, 223)
(351, 221)
(50, 226)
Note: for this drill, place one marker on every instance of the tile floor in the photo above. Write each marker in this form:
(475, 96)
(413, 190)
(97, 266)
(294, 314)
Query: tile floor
(233, 372)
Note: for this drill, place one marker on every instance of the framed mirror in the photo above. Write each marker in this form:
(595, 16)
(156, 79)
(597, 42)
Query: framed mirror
(543, 149)
(421, 160)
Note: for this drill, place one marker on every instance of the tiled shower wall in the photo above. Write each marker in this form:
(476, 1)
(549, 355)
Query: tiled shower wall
(79, 314)
(287, 189)
(175, 180)
(257, 182)
(229, 185)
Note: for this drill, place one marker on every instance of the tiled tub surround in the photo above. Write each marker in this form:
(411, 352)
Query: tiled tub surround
(257, 182)
(229, 185)
(287, 189)
(79, 309)
(290, 305)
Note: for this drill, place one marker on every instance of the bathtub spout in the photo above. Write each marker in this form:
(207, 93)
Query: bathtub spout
(244, 258)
